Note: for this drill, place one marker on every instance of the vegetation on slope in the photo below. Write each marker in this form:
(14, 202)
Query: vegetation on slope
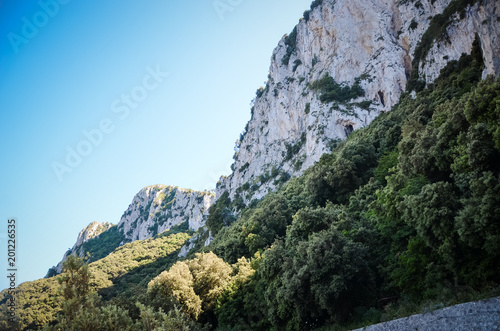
(118, 277)
(405, 210)
(437, 31)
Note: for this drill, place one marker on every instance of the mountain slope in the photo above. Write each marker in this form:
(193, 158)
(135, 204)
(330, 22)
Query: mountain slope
(153, 210)
(157, 208)
(375, 46)
(345, 63)
(405, 207)
(93, 230)
(119, 274)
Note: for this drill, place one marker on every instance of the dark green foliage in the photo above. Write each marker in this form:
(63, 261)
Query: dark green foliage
(179, 228)
(315, 60)
(51, 273)
(315, 280)
(244, 167)
(406, 208)
(428, 219)
(291, 46)
(308, 108)
(364, 104)
(435, 32)
(37, 304)
(292, 150)
(431, 213)
(316, 3)
(335, 177)
(259, 92)
(477, 223)
(256, 229)
(413, 24)
(331, 91)
(385, 164)
(306, 15)
(102, 245)
(220, 214)
(120, 278)
(484, 107)
(296, 64)
(79, 300)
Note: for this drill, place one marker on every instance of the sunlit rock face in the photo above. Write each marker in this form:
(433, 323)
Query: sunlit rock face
(158, 208)
(368, 42)
(153, 210)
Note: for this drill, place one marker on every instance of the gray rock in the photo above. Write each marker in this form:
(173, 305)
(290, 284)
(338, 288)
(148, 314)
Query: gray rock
(471, 316)
(372, 40)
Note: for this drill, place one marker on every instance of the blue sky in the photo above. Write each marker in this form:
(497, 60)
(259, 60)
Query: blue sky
(73, 74)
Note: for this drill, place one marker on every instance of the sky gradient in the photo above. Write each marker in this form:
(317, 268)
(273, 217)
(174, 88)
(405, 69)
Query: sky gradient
(150, 92)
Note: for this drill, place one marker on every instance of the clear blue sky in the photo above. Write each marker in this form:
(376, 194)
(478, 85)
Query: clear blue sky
(70, 74)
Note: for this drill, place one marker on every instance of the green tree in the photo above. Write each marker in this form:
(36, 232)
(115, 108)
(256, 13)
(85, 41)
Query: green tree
(194, 284)
(483, 106)
(114, 318)
(80, 301)
(177, 283)
(315, 280)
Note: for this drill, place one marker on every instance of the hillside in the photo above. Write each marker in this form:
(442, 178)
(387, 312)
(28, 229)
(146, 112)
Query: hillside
(153, 210)
(366, 184)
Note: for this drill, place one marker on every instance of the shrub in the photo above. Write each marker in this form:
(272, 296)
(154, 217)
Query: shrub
(331, 91)
(308, 108)
(291, 46)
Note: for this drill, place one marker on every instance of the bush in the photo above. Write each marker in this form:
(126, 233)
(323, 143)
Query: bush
(331, 91)
(291, 46)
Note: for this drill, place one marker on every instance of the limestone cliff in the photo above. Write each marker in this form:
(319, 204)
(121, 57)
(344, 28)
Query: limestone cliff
(157, 208)
(344, 63)
(372, 47)
(153, 210)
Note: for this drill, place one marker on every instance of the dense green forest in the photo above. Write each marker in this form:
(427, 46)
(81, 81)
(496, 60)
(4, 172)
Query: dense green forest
(405, 211)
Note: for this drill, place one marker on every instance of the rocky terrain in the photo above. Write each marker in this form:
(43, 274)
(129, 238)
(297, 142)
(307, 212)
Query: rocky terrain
(472, 316)
(370, 51)
(327, 246)
(157, 208)
(373, 45)
(153, 210)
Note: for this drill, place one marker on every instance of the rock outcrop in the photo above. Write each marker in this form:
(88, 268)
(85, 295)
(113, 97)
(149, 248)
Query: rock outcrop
(157, 208)
(479, 315)
(344, 63)
(92, 230)
(153, 210)
(372, 45)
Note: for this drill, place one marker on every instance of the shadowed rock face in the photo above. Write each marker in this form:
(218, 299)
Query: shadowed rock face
(369, 41)
(481, 315)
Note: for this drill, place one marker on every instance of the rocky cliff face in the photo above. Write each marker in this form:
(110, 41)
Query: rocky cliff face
(371, 47)
(92, 230)
(157, 208)
(346, 62)
(153, 210)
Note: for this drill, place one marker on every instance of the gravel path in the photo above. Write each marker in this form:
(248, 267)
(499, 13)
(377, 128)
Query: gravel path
(480, 315)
